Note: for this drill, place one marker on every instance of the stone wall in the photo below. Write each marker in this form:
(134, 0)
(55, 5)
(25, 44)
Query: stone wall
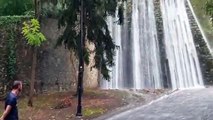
(23, 58)
(91, 74)
(23, 55)
(205, 57)
(56, 69)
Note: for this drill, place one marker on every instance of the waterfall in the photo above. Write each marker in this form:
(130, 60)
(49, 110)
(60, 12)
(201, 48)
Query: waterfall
(137, 60)
(145, 53)
(180, 49)
(115, 74)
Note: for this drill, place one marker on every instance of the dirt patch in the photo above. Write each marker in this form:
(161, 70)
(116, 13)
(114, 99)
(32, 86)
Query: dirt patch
(96, 102)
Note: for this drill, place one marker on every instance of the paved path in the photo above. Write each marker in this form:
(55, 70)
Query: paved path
(195, 104)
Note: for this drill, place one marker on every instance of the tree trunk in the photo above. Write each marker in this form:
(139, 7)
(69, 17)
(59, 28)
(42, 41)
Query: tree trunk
(32, 81)
(37, 9)
(34, 50)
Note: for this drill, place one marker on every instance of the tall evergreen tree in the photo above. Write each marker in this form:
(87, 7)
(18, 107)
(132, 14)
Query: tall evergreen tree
(95, 30)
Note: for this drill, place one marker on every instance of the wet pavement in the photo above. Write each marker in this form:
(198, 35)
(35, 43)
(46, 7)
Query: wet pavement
(194, 104)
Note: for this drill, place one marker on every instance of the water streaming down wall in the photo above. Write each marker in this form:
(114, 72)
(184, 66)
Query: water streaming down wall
(120, 36)
(138, 62)
(146, 59)
(180, 49)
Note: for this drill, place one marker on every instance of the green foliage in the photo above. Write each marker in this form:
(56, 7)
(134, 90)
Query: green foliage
(12, 20)
(11, 56)
(93, 111)
(9, 26)
(29, 13)
(15, 7)
(31, 31)
(209, 9)
(96, 12)
(201, 8)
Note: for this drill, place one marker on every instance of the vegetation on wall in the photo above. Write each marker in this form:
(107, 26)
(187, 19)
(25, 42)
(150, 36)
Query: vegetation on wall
(11, 21)
(9, 27)
(11, 56)
(209, 9)
(199, 8)
(204, 18)
(15, 7)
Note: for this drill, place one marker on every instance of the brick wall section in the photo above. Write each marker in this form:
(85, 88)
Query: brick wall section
(57, 68)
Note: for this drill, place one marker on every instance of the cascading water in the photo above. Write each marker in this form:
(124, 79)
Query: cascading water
(115, 74)
(146, 59)
(138, 62)
(180, 49)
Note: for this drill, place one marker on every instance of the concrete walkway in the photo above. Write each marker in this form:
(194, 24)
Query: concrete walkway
(194, 104)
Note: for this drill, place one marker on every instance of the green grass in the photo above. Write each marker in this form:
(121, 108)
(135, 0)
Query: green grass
(199, 8)
(88, 112)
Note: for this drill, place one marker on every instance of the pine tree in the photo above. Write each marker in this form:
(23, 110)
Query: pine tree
(95, 27)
